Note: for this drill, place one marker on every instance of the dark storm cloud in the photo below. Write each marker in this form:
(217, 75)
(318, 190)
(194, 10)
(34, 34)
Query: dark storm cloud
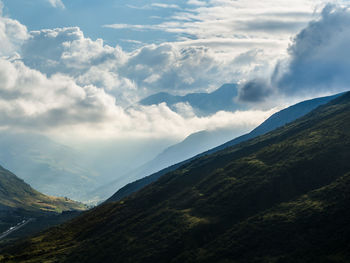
(254, 91)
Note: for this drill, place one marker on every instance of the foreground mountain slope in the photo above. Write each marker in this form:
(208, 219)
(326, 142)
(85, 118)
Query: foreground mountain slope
(281, 197)
(191, 146)
(275, 121)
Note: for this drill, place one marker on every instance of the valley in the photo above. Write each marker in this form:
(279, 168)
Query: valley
(221, 206)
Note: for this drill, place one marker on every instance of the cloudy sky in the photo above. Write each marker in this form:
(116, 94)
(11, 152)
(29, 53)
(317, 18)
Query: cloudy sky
(80, 66)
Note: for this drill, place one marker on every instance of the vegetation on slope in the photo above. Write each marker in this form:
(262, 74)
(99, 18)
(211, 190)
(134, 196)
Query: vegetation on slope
(281, 197)
(18, 202)
(275, 121)
(15, 193)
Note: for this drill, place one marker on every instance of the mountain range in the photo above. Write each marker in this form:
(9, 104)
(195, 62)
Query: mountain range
(279, 197)
(199, 144)
(221, 99)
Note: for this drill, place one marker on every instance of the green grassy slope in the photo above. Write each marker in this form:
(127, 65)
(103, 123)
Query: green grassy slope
(275, 121)
(281, 197)
(15, 193)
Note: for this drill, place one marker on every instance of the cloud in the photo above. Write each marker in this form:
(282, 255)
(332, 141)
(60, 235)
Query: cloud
(318, 61)
(57, 3)
(254, 91)
(173, 67)
(65, 49)
(135, 27)
(180, 69)
(154, 6)
(228, 29)
(167, 67)
(64, 82)
(270, 25)
(196, 3)
(12, 35)
(232, 20)
(32, 101)
(160, 5)
(319, 56)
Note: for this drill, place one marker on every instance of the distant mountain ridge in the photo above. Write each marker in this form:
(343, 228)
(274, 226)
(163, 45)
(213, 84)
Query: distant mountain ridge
(280, 197)
(275, 121)
(222, 99)
(50, 167)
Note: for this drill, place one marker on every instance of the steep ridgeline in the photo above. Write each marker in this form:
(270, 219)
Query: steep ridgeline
(280, 197)
(203, 103)
(275, 121)
(194, 144)
(18, 200)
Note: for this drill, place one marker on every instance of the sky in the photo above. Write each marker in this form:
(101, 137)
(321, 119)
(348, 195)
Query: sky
(78, 68)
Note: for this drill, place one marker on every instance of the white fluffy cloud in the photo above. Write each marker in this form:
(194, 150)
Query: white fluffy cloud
(30, 100)
(318, 62)
(12, 35)
(178, 68)
(76, 80)
(319, 57)
(70, 82)
(66, 50)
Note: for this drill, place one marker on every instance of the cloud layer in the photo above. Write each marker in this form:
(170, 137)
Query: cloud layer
(226, 20)
(60, 80)
(63, 81)
(32, 101)
(171, 67)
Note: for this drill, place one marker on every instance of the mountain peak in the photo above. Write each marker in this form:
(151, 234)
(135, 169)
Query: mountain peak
(222, 98)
